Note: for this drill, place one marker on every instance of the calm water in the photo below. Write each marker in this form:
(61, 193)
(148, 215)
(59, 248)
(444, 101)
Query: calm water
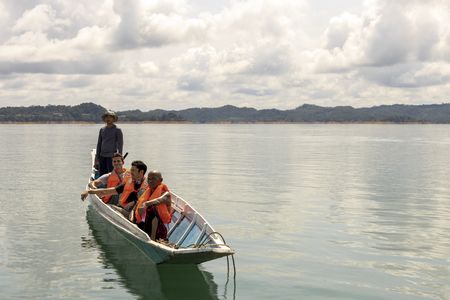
(313, 212)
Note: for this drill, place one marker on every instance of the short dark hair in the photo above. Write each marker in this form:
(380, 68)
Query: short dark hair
(139, 164)
(117, 154)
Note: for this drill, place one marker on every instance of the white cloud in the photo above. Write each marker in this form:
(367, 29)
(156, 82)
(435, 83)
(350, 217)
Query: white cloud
(262, 53)
(390, 44)
(77, 81)
(40, 19)
(148, 68)
(340, 30)
(409, 75)
(3, 13)
(156, 24)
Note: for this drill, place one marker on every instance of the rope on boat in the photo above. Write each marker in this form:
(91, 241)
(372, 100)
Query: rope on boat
(234, 276)
(204, 239)
(204, 244)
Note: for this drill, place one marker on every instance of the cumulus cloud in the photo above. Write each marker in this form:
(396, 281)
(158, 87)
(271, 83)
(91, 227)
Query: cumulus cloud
(269, 59)
(340, 30)
(144, 69)
(88, 66)
(261, 53)
(5, 24)
(192, 82)
(261, 91)
(161, 23)
(40, 19)
(391, 43)
(15, 84)
(409, 75)
(77, 82)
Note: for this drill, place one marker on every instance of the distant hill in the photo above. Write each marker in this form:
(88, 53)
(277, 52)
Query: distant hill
(85, 112)
(90, 112)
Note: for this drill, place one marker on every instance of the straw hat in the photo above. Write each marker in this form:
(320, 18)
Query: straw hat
(110, 113)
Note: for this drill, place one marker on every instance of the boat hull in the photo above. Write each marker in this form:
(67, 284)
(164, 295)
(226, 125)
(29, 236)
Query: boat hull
(192, 239)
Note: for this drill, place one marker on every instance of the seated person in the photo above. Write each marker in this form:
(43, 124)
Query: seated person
(154, 207)
(112, 179)
(129, 190)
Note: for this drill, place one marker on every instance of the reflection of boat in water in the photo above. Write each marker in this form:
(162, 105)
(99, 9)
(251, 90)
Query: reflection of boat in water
(142, 277)
(192, 240)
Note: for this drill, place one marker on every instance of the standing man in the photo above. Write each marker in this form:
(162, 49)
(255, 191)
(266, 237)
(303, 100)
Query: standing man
(110, 141)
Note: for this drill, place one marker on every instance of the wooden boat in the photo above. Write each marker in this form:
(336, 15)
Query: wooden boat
(139, 275)
(192, 240)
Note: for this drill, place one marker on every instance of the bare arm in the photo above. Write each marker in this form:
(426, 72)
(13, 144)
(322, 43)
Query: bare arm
(94, 184)
(99, 192)
(102, 181)
(164, 198)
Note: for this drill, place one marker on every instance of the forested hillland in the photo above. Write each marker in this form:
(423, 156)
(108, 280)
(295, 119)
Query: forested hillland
(307, 113)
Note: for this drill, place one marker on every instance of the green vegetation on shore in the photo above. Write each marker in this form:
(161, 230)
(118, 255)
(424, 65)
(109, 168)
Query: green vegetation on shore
(90, 112)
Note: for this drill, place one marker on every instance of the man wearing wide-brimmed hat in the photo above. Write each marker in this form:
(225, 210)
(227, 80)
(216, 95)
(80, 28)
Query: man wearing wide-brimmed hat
(110, 141)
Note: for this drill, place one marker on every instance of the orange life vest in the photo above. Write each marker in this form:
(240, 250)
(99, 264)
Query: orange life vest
(129, 188)
(164, 209)
(114, 180)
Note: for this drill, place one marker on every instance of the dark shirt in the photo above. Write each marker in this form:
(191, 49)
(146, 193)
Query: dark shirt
(133, 196)
(110, 141)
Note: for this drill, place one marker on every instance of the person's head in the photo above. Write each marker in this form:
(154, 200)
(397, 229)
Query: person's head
(109, 117)
(117, 161)
(138, 169)
(154, 178)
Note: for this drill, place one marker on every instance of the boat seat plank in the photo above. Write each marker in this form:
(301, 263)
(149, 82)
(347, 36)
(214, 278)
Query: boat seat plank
(200, 236)
(186, 232)
(174, 226)
(178, 230)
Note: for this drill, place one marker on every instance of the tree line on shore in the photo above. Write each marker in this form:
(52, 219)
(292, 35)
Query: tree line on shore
(307, 113)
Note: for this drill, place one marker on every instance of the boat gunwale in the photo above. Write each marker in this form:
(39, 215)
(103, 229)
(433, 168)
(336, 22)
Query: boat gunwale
(218, 246)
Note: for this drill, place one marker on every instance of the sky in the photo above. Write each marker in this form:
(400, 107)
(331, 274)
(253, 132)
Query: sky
(175, 54)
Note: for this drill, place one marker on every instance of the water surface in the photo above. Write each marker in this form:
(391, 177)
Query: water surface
(313, 211)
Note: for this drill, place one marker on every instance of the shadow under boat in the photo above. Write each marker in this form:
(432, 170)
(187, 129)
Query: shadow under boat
(140, 275)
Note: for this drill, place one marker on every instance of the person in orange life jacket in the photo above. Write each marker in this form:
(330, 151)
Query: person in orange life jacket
(112, 179)
(128, 189)
(153, 208)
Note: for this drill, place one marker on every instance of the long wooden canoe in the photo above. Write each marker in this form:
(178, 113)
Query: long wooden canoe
(192, 240)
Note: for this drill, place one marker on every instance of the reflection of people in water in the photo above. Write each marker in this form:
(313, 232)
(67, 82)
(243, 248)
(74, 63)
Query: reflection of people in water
(140, 275)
